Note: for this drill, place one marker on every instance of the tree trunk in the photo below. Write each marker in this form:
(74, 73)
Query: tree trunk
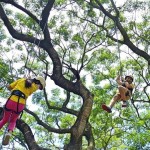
(74, 145)
(78, 129)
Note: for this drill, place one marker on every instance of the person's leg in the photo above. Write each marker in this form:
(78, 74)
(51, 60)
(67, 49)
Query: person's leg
(112, 103)
(123, 92)
(5, 118)
(12, 124)
(114, 100)
(6, 138)
(125, 95)
(13, 106)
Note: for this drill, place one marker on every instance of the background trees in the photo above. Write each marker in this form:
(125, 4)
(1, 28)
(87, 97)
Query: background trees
(80, 46)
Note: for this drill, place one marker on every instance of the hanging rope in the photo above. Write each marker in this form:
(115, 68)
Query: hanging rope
(29, 69)
(119, 52)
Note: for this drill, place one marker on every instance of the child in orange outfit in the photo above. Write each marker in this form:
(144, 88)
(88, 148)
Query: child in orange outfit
(125, 88)
(21, 89)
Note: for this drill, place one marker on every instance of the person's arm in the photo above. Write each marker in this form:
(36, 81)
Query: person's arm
(9, 87)
(13, 84)
(122, 79)
(129, 86)
(118, 80)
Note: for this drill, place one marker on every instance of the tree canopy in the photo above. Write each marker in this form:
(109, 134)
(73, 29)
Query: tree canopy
(79, 46)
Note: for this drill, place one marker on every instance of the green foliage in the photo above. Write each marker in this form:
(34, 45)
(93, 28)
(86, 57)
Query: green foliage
(4, 77)
(2, 34)
(64, 32)
(52, 23)
(67, 121)
(37, 97)
(79, 34)
(60, 2)
(77, 38)
(4, 68)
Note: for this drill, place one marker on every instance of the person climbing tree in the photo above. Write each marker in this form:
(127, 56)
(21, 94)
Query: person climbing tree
(125, 88)
(21, 89)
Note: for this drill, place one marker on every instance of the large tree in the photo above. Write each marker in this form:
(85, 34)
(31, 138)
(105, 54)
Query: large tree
(66, 40)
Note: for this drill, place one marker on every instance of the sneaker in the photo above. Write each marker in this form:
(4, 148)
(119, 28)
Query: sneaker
(106, 108)
(124, 104)
(6, 139)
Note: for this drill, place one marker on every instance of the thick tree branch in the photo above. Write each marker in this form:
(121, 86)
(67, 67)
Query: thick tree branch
(127, 41)
(45, 15)
(46, 11)
(13, 32)
(46, 126)
(28, 135)
(115, 8)
(89, 137)
(100, 7)
(42, 23)
(12, 2)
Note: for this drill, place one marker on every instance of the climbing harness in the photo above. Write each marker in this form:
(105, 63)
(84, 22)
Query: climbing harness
(20, 95)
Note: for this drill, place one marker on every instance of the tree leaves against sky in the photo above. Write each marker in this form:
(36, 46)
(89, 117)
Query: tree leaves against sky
(97, 39)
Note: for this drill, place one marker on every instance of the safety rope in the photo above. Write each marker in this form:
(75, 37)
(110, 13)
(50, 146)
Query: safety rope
(119, 52)
(37, 46)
